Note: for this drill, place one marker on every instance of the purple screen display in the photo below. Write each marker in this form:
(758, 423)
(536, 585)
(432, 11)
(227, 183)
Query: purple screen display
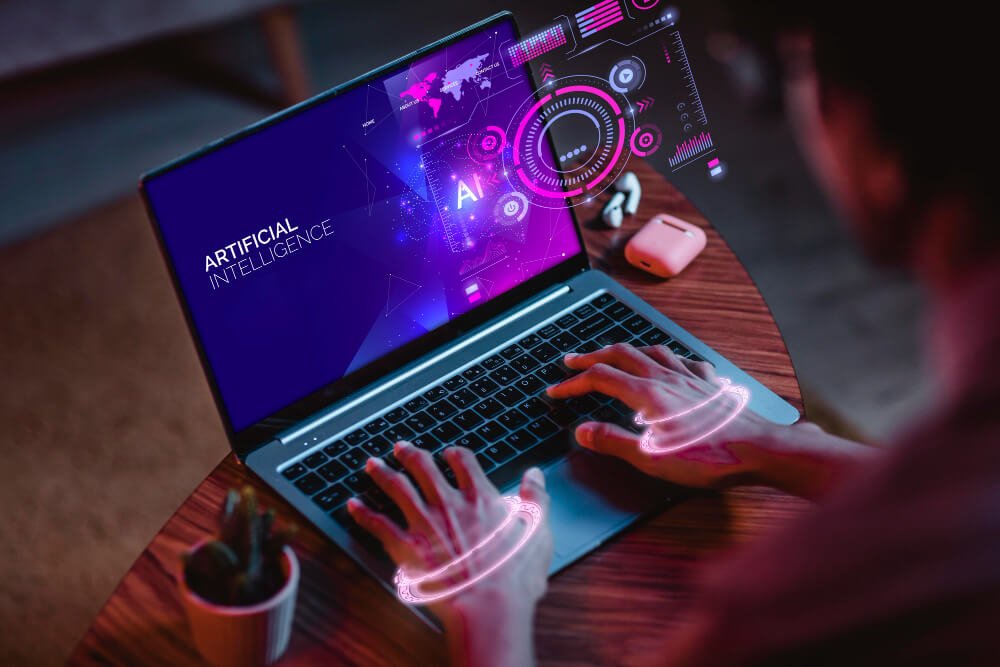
(315, 246)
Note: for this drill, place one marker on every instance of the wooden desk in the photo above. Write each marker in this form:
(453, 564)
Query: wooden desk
(612, 607)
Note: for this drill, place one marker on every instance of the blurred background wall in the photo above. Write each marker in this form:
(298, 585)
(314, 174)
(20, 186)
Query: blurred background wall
(103, 437)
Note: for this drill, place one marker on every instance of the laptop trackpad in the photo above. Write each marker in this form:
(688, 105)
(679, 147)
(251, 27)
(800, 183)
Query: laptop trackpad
(594, 496)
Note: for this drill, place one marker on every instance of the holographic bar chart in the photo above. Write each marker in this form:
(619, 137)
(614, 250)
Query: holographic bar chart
(691, 148)
(535, 45)
(597, 17)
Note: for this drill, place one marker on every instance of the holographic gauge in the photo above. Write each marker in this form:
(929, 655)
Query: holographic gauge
(645, 140)
(627, 75)
(486, 144)
(585, 109)
(510, 208)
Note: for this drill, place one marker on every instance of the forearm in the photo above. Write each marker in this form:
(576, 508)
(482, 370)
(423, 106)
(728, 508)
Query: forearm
(491, 632)
(806, 461)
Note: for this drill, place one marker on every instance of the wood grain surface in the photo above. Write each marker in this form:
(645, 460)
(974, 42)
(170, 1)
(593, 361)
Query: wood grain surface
(615, 606)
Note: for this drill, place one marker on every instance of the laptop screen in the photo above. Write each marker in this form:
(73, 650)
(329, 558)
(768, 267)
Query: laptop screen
(311, 247)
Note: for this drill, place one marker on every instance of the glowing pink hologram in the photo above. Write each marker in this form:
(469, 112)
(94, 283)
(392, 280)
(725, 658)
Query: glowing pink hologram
(407, 586)
(726, 387)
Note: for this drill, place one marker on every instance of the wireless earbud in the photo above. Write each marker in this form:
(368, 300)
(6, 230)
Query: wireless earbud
(629, 184)
(612, 214)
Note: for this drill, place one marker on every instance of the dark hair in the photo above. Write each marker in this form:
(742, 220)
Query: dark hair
(926, 71)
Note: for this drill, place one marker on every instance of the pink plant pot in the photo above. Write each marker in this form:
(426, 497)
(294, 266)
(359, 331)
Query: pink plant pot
(250, 636)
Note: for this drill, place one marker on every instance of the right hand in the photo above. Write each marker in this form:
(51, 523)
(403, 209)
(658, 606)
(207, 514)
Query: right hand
(654, 381)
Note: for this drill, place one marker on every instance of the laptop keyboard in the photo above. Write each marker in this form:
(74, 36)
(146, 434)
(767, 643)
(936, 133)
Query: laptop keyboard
(497, 408)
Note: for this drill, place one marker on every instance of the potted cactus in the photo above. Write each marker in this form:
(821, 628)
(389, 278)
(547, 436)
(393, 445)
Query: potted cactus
(239, 588)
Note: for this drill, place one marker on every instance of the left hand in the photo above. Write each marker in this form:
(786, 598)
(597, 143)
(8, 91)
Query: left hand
(444, 522)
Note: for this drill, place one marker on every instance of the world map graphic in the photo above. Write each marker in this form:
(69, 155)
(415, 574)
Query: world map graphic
(470, 71)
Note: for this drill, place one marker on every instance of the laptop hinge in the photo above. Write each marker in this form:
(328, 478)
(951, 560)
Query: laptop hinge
(334, 411)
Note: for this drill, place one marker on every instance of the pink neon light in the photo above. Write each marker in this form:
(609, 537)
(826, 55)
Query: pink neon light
(474, 297)
(593, 91)
(614, 160)
(713, 163)
(742, 395)
(407, 586)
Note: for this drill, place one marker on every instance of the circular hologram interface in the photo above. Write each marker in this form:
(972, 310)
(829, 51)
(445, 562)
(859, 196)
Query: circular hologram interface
(645, 140)
(627, 75)
(486, 144)
(510, 208)
(583, 111)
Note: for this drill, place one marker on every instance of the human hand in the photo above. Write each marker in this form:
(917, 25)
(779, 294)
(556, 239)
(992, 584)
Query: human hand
(444, 522)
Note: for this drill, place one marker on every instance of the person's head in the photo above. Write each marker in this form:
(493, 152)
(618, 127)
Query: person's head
(892, 107)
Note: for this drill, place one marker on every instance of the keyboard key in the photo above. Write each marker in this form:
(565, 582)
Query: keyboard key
(612, 336)
(442, 410)
(396, 415)
(359, 482)
(545, 352)
(391, 461)
(420, 422)
(463, 398)
(533, 407)
(602, 300)
(331, 497)
(588, 347)
(499, 452)
(525, 363)
(510, 396)
(428, 442)
(567, 320)
(510, 352)
(485, 462)
(473, 372)
(529, 341)
(565, 341)
(377, 446)
(637, 324)
(377, 499)
(336, 449)
(310, 484)
(484, 386)
(376, 426)
(355, 438)
(540, 454)
(552, 373)
(398, 432)
(548, 331)
(591, 327)
(435, 394)
(694, 357)
(529, 384)
(542, 428)
(418, 403)
(585, 311)
(333, 470)
(315, 459)
(454, 383)
(293, 471)
(677, 348)
(491, 432)
(563, 415)
(655, 337)
(470, 441)
(504, 375)
(521, 440)
(512, 419)
(468, 420)
(489, 407)
(583, 404)
(618, 311)
(354, 459)
(446, 432)
(492, 363)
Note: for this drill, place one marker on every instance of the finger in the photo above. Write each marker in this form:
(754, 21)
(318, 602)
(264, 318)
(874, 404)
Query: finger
(468, 473)
(608, 439)
(420, 465)
(382, 527)
(702, 369)
(662, 355)
(620, 355)
(634, 391)
(399, 488)
(533, 487)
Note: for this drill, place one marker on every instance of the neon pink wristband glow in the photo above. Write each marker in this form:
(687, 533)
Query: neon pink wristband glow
(726, 387)
(408, 586)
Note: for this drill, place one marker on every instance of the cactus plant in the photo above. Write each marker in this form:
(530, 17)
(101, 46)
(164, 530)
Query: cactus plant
(242, 565)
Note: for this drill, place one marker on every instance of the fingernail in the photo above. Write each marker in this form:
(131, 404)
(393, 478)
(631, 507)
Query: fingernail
(537, 476)
(584, 434)
(353, 504)
(373, 462)
(401, 446)
(571, 355)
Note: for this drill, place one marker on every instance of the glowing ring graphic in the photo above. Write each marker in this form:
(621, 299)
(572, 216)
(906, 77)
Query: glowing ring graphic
(511, 208)
(726, 388)
(485, 145)
(407, 586)
(533, 169)
(627, 75)
(645, 140)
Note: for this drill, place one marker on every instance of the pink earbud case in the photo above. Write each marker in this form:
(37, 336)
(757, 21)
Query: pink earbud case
(665, 245)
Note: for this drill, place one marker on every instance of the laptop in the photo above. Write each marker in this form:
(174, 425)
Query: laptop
(393, 259)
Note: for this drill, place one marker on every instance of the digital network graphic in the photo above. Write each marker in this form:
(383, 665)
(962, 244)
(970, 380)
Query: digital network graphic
(449, 579)
(676, 431)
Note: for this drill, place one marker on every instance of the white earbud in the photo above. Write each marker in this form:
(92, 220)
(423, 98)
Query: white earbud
(629, 184)
(612, 214)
